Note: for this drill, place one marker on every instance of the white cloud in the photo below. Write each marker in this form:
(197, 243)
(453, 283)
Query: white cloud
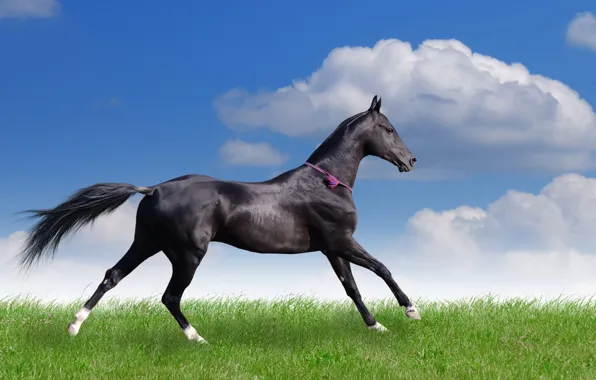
(440, 96)
(581, 31)
(237, 152)
(532, 244)
(520, 245)
(29, 8)
(560, 217)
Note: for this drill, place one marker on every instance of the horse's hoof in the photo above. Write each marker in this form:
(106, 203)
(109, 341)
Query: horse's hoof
(73, 329)
(412, 313)
(199, 340)
(193, 335)
(378, 327)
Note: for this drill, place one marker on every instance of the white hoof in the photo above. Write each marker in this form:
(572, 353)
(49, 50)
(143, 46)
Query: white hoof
(80, 317)
(73, 329)
(193, 335)
(378, 327)
(412, 313)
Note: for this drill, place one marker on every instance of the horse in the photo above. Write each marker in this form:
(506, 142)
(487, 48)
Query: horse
(305, 209)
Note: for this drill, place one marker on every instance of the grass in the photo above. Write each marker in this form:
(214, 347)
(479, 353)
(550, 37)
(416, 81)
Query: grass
(301, 339)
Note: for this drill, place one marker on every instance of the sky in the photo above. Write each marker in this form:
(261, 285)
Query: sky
(495, 104)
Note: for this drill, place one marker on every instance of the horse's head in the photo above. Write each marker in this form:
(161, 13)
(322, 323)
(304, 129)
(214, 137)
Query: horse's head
(382, 140)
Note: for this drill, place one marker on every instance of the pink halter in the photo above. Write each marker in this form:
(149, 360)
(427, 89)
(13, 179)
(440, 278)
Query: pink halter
(332, 182)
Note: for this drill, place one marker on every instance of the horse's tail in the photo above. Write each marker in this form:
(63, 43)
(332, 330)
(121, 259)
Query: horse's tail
(79, 209)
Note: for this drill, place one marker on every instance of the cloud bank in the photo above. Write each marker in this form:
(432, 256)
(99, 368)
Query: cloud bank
(439, 95)
(538, 244)
(522, 244)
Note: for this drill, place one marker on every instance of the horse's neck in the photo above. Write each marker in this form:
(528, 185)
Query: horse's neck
(341, 159)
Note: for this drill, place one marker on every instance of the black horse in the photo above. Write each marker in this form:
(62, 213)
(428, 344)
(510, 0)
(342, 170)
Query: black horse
(305, 209)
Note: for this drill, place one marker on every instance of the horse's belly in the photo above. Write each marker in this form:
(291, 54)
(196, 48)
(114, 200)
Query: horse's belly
(265, 233)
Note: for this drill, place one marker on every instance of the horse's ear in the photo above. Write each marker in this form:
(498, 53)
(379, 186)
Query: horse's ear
(378, 107)
(375, 105)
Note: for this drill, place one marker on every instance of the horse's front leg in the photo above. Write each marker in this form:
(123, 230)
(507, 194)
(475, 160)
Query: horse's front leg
(343, 271)
(353, 252)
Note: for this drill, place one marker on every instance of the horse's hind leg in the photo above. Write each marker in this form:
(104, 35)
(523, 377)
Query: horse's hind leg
(184, 265)
(136, 254)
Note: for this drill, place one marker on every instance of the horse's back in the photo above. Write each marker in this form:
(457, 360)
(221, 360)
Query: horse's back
(201, 195)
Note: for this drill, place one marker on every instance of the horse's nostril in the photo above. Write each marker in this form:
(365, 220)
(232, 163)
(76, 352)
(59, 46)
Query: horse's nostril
(413, 161)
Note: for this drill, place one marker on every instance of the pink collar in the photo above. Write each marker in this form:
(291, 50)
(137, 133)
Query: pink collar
(331, 180)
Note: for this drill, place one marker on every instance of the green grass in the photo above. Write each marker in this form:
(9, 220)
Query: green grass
(301, 339)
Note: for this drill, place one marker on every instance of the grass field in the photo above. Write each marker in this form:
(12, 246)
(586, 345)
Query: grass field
(301, 339)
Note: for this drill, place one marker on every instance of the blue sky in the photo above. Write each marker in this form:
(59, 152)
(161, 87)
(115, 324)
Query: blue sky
(166, 65)
(107, 91)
